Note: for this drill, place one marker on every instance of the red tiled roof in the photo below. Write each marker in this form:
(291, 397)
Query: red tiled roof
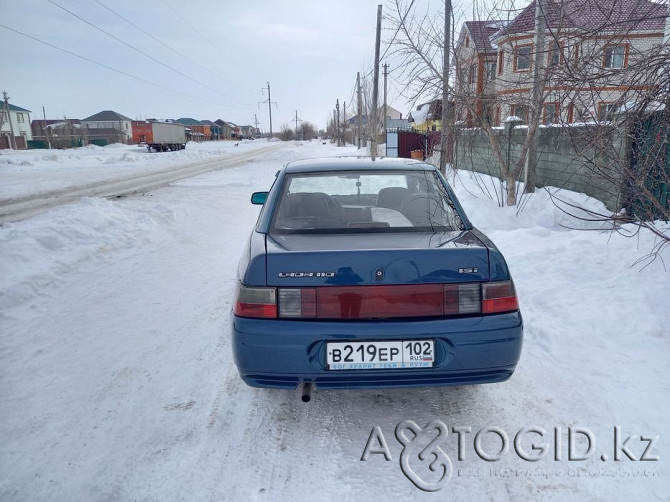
(481, 33)
(593, 15)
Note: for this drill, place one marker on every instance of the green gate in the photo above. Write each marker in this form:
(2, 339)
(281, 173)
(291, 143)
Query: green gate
(649, 186)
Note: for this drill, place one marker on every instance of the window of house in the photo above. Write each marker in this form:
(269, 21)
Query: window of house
(606, 110)
(4, 117)
(571, 113)
(520, 111)
(501, 56)
(467, 41)
(19, 117)
(554, 54)
(473, 74)
(522, 57)
(490, 68)
(550, 113)
(615, 56)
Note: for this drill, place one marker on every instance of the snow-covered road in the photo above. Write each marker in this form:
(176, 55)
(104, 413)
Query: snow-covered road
(117, 381)
(121, 182)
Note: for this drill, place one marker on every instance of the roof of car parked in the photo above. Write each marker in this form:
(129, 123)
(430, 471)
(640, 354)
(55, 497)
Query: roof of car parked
(356, 163)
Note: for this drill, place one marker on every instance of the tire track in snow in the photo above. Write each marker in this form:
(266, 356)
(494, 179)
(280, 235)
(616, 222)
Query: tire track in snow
(23, 207)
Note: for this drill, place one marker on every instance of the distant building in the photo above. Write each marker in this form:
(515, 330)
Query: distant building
(227, 129)
(63, 133)
(428, 116)
(195, 129)
(14, 119)
(216, 131)
(248, 131)
(107, 127)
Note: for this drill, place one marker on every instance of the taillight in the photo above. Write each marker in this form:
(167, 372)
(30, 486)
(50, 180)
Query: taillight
(462, 299)
(299, 303)
(498, 297)
(256, 302)
(377, 302)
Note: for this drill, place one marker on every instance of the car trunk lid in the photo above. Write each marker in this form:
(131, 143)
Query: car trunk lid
(312, 260)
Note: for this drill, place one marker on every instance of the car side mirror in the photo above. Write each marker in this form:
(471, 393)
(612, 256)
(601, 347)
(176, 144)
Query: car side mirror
(259, 198)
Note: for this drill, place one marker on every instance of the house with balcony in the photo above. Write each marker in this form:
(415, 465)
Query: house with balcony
(594, 53)
(15, 129)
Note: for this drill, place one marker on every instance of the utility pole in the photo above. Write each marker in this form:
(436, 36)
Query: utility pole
(386, 68)
(270, 103)
(337, 107)
(344, 124)
(12, 139)
(296, 126)
(375, 87)
(538, 89)
(256, 123)
(334, 122)
(360, 107)
(446, 135)
(46, 128)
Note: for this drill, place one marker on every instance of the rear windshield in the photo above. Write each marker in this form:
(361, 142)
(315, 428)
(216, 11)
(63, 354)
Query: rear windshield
(354, 202)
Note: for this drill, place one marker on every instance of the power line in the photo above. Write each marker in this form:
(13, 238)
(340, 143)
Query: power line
(388, 46)
(135, 48)
(195, 30)
(109, 67)
(163, 43)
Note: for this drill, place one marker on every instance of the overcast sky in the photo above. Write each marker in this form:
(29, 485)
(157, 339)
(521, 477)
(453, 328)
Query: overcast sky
(220, 54)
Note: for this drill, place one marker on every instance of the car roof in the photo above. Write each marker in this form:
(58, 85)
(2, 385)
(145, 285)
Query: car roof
(356, 164)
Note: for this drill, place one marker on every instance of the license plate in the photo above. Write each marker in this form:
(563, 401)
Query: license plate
(380, 355)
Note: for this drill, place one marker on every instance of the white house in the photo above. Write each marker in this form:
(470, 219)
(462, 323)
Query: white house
(17, 120)
(110, 120)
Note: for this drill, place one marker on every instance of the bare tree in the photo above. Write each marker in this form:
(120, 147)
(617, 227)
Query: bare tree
(307, 130)
(286, 133)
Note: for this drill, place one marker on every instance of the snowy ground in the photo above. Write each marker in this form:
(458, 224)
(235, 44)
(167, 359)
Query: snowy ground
(117, 381)
(26, 172)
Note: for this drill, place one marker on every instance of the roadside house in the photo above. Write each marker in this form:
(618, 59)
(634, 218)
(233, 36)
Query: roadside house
(15, 129)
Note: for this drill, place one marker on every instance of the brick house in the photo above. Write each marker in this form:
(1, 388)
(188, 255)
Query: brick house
(476, 67)
(63, 133)
(195, 129)
(594, 50)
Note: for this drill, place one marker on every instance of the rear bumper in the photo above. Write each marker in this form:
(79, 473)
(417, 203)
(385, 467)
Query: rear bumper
(284, 353)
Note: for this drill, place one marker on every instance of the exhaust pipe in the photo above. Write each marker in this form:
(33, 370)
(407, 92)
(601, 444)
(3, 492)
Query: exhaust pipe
(306, 392)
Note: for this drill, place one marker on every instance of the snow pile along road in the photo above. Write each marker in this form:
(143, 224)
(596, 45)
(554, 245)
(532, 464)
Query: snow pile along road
(117, 380)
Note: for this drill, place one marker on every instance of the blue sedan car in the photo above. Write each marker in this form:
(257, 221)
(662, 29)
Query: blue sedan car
(368, 274)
